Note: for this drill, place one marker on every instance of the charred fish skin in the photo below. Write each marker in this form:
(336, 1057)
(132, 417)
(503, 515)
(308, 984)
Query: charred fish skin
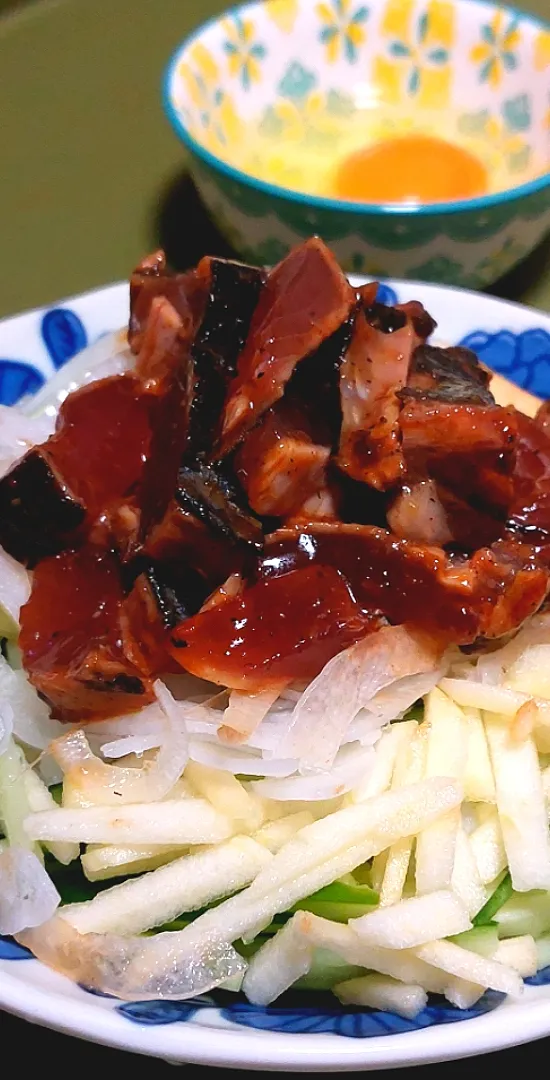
(213, 499)
(233, 294)
(452, 375)
(39, 515)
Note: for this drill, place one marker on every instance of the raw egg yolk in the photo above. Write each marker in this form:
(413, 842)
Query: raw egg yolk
(411, 168)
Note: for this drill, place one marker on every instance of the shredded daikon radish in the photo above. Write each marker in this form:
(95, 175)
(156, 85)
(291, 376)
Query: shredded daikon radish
(451, 958)
(227, 795)
(188, 883)
(324, 851)
(477, 695)
(102, 861)
(400, 964)
(479, 783)
(39, 798)
(382, 992)
(280, 962)
(414, 921)
(379, 778)
(181, 821)
(519, 953)
(466, 882)
(409, 769)
(521, 807)
(487, 846)
(274, 834)
(445, 756)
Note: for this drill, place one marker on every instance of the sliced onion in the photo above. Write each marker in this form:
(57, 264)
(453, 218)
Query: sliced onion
(167, 965)
(268, 735)
(32, 723)
(109, 355)
(352, 766)
(130, 744)
(348, 683)
(6, 725)
(15, 589)
(148, 721)
(237, 762)
(28, 896)
(393, 702)
(18, 434)
(114, 785)
(244, 713)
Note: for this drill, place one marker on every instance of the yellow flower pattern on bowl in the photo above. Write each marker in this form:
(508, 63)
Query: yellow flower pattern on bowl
(416, 59)
(270, 95)
(342, 30)
(497, 51)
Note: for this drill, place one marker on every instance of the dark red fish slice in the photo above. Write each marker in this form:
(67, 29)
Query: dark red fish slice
(438, 429)
(412, 583)
(305, 299)
(71, 639)
(373, 371)
(279, 464)
(529, 515)
(110, 469)
(275, 632)
(183, 538)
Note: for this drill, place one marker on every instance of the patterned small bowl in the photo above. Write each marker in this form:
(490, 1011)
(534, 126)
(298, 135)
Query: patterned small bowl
(245, 83)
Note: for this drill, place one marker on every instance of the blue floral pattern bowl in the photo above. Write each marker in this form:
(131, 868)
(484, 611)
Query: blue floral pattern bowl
(244, 84)
(301, 1030)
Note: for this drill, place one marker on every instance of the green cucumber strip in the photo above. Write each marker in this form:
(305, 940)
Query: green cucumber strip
(482, 939)
(340, 892)
(326, 970)
(502, 893)
(339, 901)
(341, 913)
(524, 913)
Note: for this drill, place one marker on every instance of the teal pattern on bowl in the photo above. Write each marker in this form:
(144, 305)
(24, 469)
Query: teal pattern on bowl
(304, 68)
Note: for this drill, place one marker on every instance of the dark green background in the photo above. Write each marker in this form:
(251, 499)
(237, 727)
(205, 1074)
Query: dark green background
(91, 174)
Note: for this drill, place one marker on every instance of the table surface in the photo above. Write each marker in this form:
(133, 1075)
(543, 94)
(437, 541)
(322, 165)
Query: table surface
(92, 177)
(92, 174)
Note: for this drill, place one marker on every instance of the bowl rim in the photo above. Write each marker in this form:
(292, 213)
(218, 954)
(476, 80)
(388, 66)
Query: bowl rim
(319, 202)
